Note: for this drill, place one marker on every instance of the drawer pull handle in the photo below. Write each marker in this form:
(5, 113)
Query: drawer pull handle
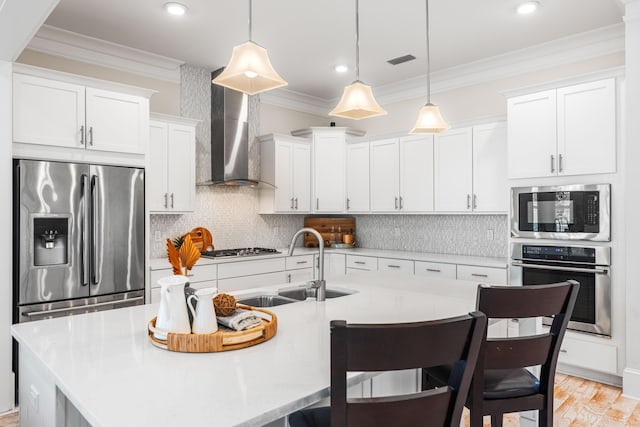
(359, 262)
(301, 262)
(393, 266)
(479, 275)
(433, 270)
(562, 350)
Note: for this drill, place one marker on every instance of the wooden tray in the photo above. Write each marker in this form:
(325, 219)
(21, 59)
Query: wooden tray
(222, 340)
(324, 225)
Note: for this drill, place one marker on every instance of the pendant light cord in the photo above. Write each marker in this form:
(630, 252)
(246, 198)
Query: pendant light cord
(357, 42)
(428, 62)
(250, 19)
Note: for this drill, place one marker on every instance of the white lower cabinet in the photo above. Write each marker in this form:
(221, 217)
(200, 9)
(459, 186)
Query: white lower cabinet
(395, 383)
(404, 266)
(359, 262)
(489, 275)
(435, 269)
(234, 276)
(253, 281)
(599, 356)
(200, 277)
(299, 268)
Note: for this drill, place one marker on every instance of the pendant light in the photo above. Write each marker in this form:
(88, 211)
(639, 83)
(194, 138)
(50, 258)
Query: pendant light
(357, 100)
(249, 70)
(429, 118)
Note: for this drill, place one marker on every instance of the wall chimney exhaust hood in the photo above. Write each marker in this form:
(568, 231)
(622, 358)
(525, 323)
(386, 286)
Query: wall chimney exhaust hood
(229, 136)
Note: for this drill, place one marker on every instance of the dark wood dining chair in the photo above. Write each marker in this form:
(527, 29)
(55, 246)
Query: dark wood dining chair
(389, 347)
(501, 383)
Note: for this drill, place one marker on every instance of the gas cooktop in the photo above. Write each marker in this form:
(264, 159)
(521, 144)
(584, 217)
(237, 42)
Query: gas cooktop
(239, 252)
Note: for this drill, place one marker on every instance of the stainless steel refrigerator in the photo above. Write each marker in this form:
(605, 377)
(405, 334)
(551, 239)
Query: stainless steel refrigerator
(78, 238)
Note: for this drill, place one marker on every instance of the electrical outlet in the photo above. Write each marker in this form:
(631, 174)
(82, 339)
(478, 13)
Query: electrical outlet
(489, 234)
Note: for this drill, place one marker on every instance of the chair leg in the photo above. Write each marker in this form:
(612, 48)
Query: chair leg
(496, 420)
(475, 418)
(545, 418)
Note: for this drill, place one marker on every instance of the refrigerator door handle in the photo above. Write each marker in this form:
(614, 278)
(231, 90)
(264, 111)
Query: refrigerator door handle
(95, 208)
(86, 230)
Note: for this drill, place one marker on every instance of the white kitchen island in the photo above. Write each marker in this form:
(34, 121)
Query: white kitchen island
(103, 365)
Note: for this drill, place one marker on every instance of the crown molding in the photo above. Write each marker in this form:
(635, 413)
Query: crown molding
(67, 44)
(297, 101)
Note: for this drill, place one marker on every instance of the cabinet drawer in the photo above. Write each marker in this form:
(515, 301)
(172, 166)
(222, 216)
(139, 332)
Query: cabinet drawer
(490, 275)
(203, 273)
(247, 268)
(592, 355)
(435, 269)
(395, 265)
(158, 274)
(362, 262)
(297, 262)
(247, 282)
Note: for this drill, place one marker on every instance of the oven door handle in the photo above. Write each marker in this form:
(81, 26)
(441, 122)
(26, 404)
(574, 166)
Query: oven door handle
(553, 267)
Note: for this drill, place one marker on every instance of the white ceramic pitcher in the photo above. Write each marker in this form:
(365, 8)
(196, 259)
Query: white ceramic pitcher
(204, 316)
(172, 315)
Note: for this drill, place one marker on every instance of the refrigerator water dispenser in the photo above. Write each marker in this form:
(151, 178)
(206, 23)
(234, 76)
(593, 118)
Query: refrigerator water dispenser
(50, 240)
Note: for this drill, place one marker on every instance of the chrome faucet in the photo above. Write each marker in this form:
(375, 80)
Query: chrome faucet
(319, 287)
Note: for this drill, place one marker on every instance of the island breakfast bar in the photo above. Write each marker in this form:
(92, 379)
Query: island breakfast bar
(100, 368)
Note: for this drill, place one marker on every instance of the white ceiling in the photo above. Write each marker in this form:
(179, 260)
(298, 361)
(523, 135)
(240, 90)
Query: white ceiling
(306, 39)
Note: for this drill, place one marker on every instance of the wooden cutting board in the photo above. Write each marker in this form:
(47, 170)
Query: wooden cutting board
(324, 227)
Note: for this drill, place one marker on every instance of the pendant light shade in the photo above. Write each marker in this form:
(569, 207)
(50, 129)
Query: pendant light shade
(249, 70)
(357, 100)
(429, 118)
(357, 103)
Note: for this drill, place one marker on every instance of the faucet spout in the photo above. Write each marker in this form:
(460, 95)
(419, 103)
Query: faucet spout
(320, 284)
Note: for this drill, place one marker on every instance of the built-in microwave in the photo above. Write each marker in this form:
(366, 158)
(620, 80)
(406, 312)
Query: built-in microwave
(568, 212)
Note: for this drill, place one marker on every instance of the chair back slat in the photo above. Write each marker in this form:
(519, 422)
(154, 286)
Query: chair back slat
(520, 352)
(502, 302)
(384, 411)
(389, 347)
(371, 347)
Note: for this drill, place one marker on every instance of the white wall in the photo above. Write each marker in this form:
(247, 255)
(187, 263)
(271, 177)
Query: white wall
(631, 378)
(6, 376)
(274, 119)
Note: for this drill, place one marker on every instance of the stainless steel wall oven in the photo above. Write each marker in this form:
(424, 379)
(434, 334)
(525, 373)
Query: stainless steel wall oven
(568, 212)
(537, 264)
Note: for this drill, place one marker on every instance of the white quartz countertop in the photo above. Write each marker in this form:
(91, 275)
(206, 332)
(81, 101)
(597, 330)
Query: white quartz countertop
(497, 262)
(105, 365)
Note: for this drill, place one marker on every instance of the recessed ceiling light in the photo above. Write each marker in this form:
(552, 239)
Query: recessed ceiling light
(528, 7)
(175, 8)
(341, 68)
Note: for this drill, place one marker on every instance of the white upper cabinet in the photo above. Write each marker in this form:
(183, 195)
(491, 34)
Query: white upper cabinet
(453, 171)
(385, 175)
(358, 177)
(470, 169)
(402, 174)
(416, 173)
(587, 128)
(64, 114)
(329, 152)
(285, 164)
(171, 177)
(565, 131)
(490, 187)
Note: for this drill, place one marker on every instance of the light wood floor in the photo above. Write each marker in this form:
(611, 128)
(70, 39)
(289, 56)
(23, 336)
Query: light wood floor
(577, 403)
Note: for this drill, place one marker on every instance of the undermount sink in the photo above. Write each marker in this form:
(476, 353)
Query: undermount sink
(266, 301)
(300, 294)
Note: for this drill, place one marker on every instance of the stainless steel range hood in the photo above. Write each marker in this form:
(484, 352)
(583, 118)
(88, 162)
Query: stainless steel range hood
(229, 136)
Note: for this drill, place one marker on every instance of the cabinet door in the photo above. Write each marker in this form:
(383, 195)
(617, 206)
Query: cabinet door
(301, 177)
(358, 177)
(116, 122)
(416, 174)
(587, 128)
(301, 275)
(453, 171)
(181, 161)
(532, 135)
(283, 191)
(329, 166)
(158, 196)
(490, 187)
(48, 112)
(385, 175)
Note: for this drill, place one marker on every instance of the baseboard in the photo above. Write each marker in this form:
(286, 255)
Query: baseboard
(589, 374)
(631, 383)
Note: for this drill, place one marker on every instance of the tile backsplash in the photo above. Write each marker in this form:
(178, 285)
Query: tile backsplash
(231, 213)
